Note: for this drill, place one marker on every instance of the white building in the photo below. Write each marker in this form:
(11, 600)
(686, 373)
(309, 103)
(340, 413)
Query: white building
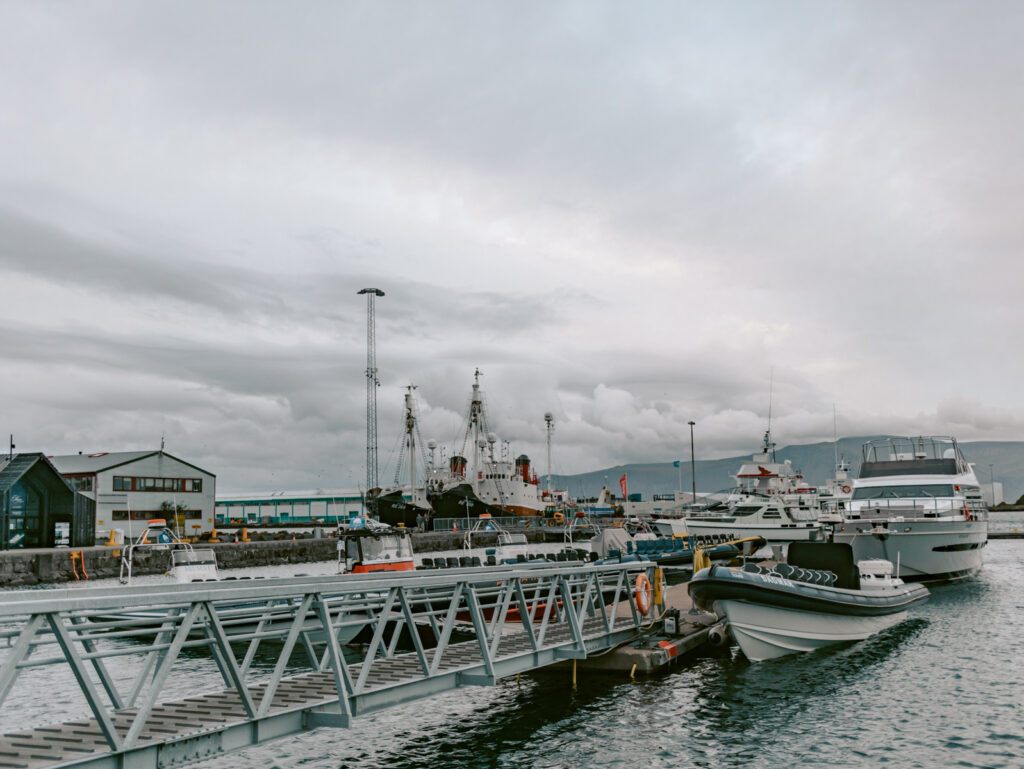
(289, 506)
(131, 487)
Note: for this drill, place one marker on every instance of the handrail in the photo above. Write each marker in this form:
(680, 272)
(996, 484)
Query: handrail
(556, 607)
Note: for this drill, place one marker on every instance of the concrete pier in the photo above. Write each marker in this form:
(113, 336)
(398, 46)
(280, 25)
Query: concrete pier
(33, 566)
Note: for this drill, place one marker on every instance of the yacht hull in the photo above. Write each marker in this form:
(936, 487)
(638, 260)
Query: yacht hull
(767, 632)
(925, 550)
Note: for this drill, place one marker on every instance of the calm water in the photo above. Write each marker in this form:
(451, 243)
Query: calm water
(945, 688)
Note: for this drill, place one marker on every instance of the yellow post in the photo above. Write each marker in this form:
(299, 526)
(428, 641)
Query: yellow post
(659, 598)
(574, 673)
(110, 542)
(245, 533)
(213, 535)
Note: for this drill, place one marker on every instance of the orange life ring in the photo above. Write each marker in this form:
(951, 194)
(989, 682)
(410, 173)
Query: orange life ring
(846, 489)
(643, 593)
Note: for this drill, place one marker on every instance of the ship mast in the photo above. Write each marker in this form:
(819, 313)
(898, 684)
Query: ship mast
(475, 410)
(372, 383)
(410, 433)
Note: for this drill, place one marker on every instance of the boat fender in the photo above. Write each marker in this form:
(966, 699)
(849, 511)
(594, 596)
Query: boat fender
(643, 593)
(718, 635)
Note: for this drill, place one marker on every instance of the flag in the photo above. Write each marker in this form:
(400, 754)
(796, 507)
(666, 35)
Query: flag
(622, 484)
(676, 463)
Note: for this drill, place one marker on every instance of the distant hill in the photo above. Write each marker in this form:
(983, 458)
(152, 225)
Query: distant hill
(816, 461)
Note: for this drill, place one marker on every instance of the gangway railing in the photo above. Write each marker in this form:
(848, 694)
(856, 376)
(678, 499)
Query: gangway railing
(121, 645)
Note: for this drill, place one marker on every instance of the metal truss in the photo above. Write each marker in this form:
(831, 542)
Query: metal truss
(518, 619)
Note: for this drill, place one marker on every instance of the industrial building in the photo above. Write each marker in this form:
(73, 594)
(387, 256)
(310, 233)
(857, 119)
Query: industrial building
(131, 487)
(38, 508)
(289, 507)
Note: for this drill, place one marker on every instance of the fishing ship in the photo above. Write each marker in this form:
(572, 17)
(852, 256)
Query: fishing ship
(390, 506)
(497, 485)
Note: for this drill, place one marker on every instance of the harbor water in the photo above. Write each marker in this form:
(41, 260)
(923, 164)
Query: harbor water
(944, 688)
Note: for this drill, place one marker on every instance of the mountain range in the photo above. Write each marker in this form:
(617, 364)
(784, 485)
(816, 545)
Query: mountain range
(816, 461)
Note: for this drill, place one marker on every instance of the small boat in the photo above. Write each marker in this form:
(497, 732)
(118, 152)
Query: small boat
(187, 563)
(617, 546)
(771, 501)
(367, 546)
(820, 597)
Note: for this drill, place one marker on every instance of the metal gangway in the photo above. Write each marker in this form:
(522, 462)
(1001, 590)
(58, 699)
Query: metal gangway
(122, 648)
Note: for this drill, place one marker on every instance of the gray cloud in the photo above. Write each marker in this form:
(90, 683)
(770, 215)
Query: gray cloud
(626, 216)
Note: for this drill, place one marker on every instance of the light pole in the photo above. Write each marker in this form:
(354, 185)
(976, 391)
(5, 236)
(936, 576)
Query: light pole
(693, 468)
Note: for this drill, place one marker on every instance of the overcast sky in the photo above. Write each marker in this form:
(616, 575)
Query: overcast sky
(626, 214)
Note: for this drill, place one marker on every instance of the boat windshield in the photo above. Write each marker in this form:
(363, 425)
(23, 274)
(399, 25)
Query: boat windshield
(377, 548)
(910, 491)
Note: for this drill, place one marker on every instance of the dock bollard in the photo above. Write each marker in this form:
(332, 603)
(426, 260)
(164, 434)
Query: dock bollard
(111, 542)
(213, 535)
(245, 534)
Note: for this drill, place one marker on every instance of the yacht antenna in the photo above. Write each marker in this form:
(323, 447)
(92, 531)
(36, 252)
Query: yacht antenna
(768, 445)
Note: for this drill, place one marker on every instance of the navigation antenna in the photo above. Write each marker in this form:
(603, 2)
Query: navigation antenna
(768, 445)
(372, 383)
(549, 420)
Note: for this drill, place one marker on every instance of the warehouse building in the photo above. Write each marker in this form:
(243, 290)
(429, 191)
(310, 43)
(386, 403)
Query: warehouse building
(318, 506)
(38, 508)
(132, 487)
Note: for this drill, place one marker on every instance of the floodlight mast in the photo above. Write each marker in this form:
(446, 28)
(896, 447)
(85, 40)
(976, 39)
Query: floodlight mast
(372, 383)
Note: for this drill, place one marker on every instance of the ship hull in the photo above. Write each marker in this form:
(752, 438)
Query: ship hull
(394, 510)
(461, 502)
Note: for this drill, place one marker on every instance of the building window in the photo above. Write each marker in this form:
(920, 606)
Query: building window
(175, 485)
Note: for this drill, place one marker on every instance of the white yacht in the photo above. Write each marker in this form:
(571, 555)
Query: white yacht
(918, 504)
(771, 501)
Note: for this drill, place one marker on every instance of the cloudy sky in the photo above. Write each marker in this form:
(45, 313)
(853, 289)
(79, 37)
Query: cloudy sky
(626, 214)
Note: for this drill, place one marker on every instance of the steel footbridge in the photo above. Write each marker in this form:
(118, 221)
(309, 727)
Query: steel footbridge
(278, 659)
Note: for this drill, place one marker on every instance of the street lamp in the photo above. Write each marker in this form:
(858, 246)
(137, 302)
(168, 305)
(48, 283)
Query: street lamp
(693, 468)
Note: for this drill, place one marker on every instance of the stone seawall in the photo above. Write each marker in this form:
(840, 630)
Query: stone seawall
(35, 566)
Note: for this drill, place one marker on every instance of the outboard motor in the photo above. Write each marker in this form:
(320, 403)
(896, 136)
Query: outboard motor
(718, 635)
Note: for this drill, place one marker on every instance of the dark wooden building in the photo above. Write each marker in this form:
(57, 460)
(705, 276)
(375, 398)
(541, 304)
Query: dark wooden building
(38, 508)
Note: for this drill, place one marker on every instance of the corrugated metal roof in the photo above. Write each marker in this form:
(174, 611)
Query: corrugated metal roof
(104, 460)
(290, 496)
(11, 471)
(91, 463)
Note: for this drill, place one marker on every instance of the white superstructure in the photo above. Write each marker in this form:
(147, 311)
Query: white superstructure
(771, 501)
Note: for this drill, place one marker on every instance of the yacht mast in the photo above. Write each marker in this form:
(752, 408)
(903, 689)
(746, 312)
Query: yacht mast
(549, 420)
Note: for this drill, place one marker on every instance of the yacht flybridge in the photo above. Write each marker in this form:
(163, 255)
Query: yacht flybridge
(917, 502)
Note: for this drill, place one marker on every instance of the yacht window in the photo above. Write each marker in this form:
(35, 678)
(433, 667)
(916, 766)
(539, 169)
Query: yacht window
(771, 514)
(745, 510)
(904, 492)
